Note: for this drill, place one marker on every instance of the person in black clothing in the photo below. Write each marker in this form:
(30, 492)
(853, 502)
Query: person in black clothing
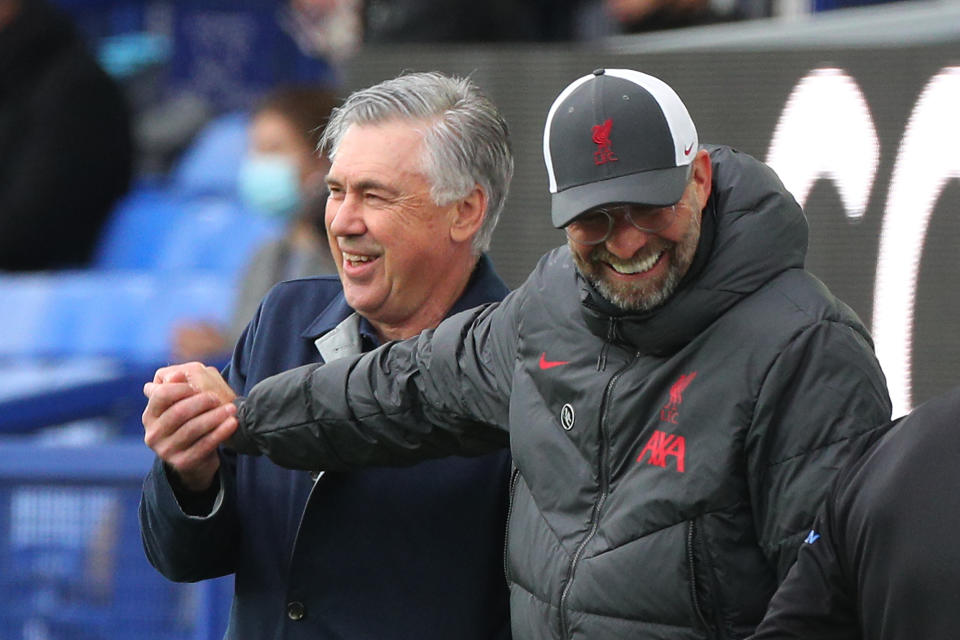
(432, 21)
(66, 149)
(335, 29)
(882, 561)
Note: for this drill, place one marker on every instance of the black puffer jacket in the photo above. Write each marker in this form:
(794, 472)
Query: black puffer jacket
(882, 560)
(668, 465)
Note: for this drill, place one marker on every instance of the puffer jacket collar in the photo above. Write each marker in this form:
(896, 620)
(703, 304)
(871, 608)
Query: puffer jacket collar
(752, 229)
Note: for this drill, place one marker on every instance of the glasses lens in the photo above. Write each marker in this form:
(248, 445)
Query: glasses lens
(594, 226)
(651, 219)
(590, 228)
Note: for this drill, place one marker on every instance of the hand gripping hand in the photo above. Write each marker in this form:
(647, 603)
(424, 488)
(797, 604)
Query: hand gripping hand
(189, 414)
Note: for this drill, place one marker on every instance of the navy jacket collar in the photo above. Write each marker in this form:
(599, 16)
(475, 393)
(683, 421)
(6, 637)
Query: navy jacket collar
(484, 286)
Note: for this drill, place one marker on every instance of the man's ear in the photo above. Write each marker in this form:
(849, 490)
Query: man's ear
(467, 216)
(702, 176)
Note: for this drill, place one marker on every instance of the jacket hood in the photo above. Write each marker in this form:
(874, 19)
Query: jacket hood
(752, 229)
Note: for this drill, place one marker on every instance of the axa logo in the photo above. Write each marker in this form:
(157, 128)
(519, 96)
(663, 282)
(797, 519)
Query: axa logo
(671, 411)
(601, 137)
(663, 445)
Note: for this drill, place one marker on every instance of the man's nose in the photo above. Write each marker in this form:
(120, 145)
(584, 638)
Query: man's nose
(625, 239)
(345, 217)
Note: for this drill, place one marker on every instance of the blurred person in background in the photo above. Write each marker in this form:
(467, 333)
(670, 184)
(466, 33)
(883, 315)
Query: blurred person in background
(421, 169)
(66, 149)
(282, 178)
(599, 18)
(336, 29)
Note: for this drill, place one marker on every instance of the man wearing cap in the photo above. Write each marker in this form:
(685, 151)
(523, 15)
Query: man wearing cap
(677, 391)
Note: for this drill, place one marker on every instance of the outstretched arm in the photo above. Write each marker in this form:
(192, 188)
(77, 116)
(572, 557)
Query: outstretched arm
(446, 392)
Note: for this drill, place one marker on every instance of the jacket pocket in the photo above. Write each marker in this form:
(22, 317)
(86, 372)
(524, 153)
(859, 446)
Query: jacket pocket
(700, 579)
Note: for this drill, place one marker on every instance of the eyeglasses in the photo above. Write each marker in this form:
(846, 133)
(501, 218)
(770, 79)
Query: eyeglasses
(596, 225)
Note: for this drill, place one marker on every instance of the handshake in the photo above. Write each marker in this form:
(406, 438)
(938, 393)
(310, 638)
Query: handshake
(189, 414)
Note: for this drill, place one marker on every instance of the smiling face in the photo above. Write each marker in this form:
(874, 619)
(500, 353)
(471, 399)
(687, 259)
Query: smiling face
(400, 258)
(639, 270)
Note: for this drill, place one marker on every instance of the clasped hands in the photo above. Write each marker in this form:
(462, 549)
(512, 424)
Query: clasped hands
(190, 412)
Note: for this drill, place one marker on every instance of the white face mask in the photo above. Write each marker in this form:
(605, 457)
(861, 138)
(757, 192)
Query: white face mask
(270, 185)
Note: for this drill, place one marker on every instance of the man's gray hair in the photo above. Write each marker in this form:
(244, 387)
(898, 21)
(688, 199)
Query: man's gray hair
(466, 139)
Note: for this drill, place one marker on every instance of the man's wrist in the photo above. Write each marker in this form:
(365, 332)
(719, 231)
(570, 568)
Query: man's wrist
(193, 502)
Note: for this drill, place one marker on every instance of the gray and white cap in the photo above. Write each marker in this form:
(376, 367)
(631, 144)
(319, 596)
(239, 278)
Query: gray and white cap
(616, 136)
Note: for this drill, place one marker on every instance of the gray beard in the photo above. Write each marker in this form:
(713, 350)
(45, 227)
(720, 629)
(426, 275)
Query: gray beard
(681, 255)
(642, 305)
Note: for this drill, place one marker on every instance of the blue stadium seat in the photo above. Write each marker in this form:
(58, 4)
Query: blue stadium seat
(124, 315)
(153, 229)
(214, 234)
(179, 298)
(138, 225)
(211, 163)
(96, 313)
(26, 300)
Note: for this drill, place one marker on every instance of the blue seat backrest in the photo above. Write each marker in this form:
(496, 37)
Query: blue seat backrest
(156, 230)
(139, 224)
(214, 234)
(211, 163)
(26, 301)
(124, 315)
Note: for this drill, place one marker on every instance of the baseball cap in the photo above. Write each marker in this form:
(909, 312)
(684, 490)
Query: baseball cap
(616, 135)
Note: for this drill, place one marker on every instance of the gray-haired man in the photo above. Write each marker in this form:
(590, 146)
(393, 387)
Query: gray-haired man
(421, 168)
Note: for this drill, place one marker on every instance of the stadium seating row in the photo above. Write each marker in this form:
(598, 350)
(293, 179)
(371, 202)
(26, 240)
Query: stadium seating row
(78, 345)
(169, 253)
(127, 315)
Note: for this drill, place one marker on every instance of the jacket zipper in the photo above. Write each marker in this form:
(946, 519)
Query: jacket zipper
(691, 535)
(514, 476)
(611, 334)
(598, 506)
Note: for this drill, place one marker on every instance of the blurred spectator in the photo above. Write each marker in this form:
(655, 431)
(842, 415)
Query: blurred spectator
(329, 29)
(396, 21)
(597, 18)
(66, 151)
(335, 29)
(281, 177)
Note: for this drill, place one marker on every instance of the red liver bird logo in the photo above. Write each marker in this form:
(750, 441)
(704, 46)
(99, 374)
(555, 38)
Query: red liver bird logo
(671, 411)
(601, 137)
